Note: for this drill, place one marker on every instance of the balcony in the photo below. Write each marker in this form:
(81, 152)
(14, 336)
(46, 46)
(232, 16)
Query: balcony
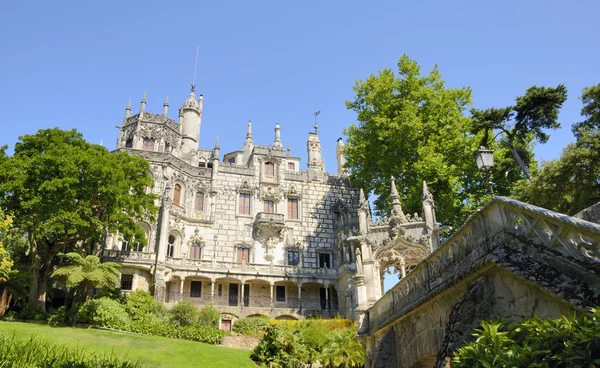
(269, 222)
(128, 256)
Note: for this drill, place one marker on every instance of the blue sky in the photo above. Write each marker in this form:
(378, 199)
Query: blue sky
(74, 64)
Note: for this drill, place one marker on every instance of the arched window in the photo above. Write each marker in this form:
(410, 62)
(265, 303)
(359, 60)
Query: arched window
(171, 246)
(199, 202)
(129, 143)
(148, 144)
(195, 251)
(177, 194)
(269, 169)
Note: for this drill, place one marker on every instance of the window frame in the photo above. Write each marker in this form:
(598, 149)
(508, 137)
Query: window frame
(272, 205)
(297, 256)
(126, 282)
(269, 173)
(249, 207)
(177, 191)
(278, 298)
(148, 147)
(292, 200)
(291, 166)
(199, 194)
(240, 252)
(171, 246)
(330, 259)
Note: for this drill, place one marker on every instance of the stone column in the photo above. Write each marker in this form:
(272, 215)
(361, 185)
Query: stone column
(402, 267)
(181, 282)
(272, 285)
(327, 297)
(300, 295)
(212, 291)
(242, 293)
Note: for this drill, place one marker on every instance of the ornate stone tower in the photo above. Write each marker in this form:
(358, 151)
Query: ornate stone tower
(316, 164)
(190, 124)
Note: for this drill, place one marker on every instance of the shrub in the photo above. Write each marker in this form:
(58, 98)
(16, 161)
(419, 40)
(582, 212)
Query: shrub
(562, 342)
(141, 305)
(57, 317)
(280, 348)
(206, 334)
(153, 326)
(209, 316)
(104, 313)
(252, 326)
(184, 313)
(34, 352)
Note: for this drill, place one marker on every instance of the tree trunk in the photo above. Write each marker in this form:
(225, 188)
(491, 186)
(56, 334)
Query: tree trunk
(520, 161)
(4, 301)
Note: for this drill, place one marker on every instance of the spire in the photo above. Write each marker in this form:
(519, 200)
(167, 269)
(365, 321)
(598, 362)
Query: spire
(166, 106)
(277, 142)
(361, 197)
(249, 134)
(289, 151)
(200, 102)
(427, 196)
(217, 144)
(128, 109)
(143, 104)
(396, 206)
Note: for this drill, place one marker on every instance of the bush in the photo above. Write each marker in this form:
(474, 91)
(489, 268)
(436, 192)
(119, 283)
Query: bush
(206, 334)
(251, 326)
(57, 317)
(153, 326)
(34, 352)
(563, 342)
(209, 316)
(104, 313)
(184, 313)
(141, 305)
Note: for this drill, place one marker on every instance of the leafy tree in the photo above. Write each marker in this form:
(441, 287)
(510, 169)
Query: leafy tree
(591, 110)
(522, 123)
(344, 351)
(65, 194)
(6, 263)
(571, 183)
(87, 273)
(413, 127)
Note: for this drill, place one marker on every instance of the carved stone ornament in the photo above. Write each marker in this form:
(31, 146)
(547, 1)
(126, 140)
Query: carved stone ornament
(197, 239)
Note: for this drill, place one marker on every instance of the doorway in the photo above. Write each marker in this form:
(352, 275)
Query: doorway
(233, 294)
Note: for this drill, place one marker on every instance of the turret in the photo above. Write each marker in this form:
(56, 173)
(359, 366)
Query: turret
(143, 105)
(128, 110)
(316, 165)
(277, 142)
(166, 107)
(341, 159)
(190, 123)
(396, 206)
(249, 140)
(216, 153)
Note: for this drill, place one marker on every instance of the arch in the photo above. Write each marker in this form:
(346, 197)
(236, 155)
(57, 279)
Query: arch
(286, 317)
(129, 143)
(257, 315)
(148, 144)
(199, 202)
(177, 194)
(171, 244)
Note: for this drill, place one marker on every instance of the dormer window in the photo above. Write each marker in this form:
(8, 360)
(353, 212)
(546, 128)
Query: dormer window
(231, 160)
(148, 144)
(269, 169)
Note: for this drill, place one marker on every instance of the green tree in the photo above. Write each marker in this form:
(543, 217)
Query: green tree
(413, 127)
(344, 351)
(87, 273)
(66, 194)
(571, 183)
(522, 123)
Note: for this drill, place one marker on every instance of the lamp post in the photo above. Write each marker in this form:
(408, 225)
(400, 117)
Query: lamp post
(485, 162)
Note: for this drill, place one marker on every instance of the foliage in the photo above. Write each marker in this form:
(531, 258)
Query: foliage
(413, 128)
(149, 351)
(88, 272)
(305, 342)
(6, 263)
(141, 305)
(184, 313)
(251, 326)
(591, 110)
(522, 123)
(570, 183)
(209, 316)
(64, 191)
(343, 350)
(34, 352)
(562, 342)
(104, 313)
(205, 334)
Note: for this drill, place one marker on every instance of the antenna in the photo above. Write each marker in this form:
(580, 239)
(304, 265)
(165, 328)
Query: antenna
(195, 66)
(316, 126)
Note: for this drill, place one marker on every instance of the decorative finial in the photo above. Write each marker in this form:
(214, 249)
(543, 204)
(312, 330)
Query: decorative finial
(128, 109)
(249, 134)
(277, 142)
(316, 126)
(289, 151)
(396, 205)
(166, 106)
(394, 190)
(361, 196)
(143, 104)
(217, 144)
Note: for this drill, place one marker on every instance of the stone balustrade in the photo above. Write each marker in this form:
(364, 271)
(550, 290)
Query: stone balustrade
(129, 256)
(574, 241)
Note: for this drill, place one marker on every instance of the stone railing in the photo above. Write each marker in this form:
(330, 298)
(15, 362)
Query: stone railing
(249, 268)
(573, 240)
(128, 256)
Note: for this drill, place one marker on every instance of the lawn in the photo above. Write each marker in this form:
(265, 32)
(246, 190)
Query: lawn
(150, 351)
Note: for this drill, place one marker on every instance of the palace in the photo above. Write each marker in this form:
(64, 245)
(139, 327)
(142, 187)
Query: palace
(252, 233)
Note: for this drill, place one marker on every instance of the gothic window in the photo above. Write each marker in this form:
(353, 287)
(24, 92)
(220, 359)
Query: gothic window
(269, 206)
(231, 160)
(126, 282)
(171, 246)
(293, 257)
(195, 251)
(243, 255)
(280, 293)
(325, 260)
(129, 143)
(132, 246)
(148, 144)
(177, 194)
(269, 169)
(244, 204)
(292, 208)
(291, 166)
(199, 202)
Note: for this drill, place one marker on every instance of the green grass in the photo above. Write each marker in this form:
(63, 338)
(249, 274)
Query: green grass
(150, 351)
